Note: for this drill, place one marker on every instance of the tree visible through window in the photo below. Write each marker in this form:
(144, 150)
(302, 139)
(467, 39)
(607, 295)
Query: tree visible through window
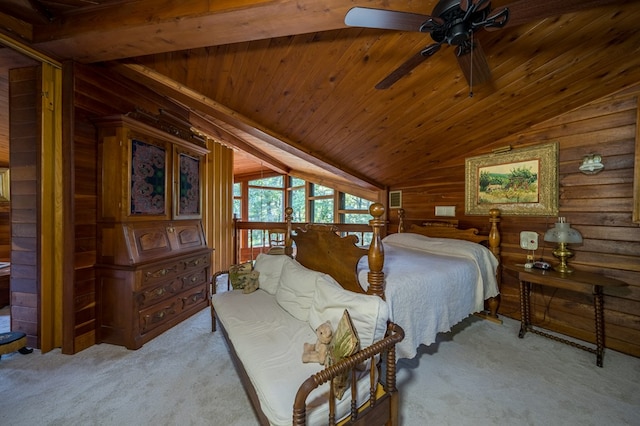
(321, 204)
(266, 199)
(237, 200)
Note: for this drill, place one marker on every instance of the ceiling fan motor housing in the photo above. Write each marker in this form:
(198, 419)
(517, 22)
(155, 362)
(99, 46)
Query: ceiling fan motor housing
(455, 29)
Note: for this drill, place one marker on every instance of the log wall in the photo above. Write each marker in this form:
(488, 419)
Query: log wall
(599, 206)
(24, 130)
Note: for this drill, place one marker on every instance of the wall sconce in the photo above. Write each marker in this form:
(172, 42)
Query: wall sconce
(591, 164)
(563, 234)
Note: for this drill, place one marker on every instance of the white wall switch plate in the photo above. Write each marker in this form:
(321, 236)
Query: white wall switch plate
(445, 211)
(529, 240)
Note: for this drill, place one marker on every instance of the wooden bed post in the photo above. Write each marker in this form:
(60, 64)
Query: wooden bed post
(494, 245)
(494, 234)
(376, 252)
(288, 242)
(400, 221)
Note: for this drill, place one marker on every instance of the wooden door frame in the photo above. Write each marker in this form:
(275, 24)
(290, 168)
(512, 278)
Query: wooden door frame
(52, 207)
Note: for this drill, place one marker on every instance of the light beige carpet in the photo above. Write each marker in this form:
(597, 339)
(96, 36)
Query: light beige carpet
(479, 374)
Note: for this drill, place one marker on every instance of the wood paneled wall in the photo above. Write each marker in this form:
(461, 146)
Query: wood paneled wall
(5, 231)
(219, 205)
(24, 129)
(599, 206)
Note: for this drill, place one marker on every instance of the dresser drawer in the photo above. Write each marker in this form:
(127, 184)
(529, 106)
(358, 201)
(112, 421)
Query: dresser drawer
(195, 262)
(193, 279)
(156, 274)
(193, 298)
(159, 314)
(160, 291)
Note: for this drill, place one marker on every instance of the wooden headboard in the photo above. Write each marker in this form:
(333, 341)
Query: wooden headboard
(319, 247)
(449, 229)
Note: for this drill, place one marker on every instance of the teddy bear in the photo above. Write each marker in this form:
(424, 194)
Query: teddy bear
(317, 352)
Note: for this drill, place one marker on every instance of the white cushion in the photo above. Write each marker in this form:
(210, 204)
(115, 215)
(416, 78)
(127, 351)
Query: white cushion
(296, 289)
(369, 313)
(269, 343)
(270, 268)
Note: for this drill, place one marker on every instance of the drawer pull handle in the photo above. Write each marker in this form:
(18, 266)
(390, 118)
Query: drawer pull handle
(160, 272)
(194, 279)
(160, 291)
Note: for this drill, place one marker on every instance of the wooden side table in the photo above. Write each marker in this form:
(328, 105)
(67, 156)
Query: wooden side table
(580, 281)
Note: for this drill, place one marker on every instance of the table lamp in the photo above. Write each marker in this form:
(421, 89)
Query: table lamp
(563, 234)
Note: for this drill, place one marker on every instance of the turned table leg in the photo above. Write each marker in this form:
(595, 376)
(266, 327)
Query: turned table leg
(525, 308)
(598, 305)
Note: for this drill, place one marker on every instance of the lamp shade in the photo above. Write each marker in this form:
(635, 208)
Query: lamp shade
(562, 232)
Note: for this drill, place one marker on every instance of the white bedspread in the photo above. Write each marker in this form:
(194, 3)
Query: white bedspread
(431, 284)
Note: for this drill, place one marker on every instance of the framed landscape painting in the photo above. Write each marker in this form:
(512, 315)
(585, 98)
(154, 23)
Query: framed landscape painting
(518, 182)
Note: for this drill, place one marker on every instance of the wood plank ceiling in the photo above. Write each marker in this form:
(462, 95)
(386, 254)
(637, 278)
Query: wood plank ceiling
(288, 83)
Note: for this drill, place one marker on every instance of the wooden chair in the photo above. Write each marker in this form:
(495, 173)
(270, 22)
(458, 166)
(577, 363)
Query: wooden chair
(277, 241)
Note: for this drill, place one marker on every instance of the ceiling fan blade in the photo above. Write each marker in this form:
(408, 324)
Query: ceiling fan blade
(524, 11)
(384, 19)
(408, 66)
(495, 21)
(475, 68)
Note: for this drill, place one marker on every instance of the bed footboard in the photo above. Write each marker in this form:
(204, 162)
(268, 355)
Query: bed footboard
(382, 406)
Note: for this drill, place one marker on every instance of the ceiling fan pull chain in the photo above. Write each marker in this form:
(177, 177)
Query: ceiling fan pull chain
(471, 66)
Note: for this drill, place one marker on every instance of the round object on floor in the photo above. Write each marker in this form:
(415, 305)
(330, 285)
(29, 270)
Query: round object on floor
(13, 341)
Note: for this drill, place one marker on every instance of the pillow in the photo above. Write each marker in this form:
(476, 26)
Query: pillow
(296, 289)
(368, 313)
(238, 274)
(270, 268)
(344, 344)
(252, 282)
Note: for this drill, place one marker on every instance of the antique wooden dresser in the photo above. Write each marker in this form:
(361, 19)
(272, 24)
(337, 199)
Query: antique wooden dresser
(154, 264)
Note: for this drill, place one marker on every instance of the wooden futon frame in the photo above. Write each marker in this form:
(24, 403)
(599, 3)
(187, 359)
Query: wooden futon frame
(320, 248)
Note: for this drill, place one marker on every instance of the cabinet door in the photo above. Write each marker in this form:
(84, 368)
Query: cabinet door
(150, 168)
(188, 178)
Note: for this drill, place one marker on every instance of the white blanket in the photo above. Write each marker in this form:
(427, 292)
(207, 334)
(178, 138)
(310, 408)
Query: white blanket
(431, 284)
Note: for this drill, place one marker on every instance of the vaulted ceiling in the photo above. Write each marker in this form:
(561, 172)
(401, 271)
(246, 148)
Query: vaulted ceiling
(293, 87)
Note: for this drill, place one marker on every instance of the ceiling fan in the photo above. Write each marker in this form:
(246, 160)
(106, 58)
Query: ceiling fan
(454, 23)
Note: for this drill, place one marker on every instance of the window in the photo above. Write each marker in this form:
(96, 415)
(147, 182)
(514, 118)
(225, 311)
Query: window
(298, 199)
(237, 200)
(356, 210)
(321, 203)
(266, 199)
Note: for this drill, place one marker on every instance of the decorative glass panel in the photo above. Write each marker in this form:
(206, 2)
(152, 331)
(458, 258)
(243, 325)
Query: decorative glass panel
(148, 178)
(189, 186)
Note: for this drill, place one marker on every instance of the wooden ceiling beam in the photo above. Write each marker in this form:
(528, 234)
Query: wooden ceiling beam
(222, 135)
(128, 29)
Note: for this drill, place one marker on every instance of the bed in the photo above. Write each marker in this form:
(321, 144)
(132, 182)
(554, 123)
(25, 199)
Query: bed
(432, 275)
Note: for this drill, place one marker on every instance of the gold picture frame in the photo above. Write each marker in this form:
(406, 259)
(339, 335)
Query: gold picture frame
(518, 182)
(5, 184)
